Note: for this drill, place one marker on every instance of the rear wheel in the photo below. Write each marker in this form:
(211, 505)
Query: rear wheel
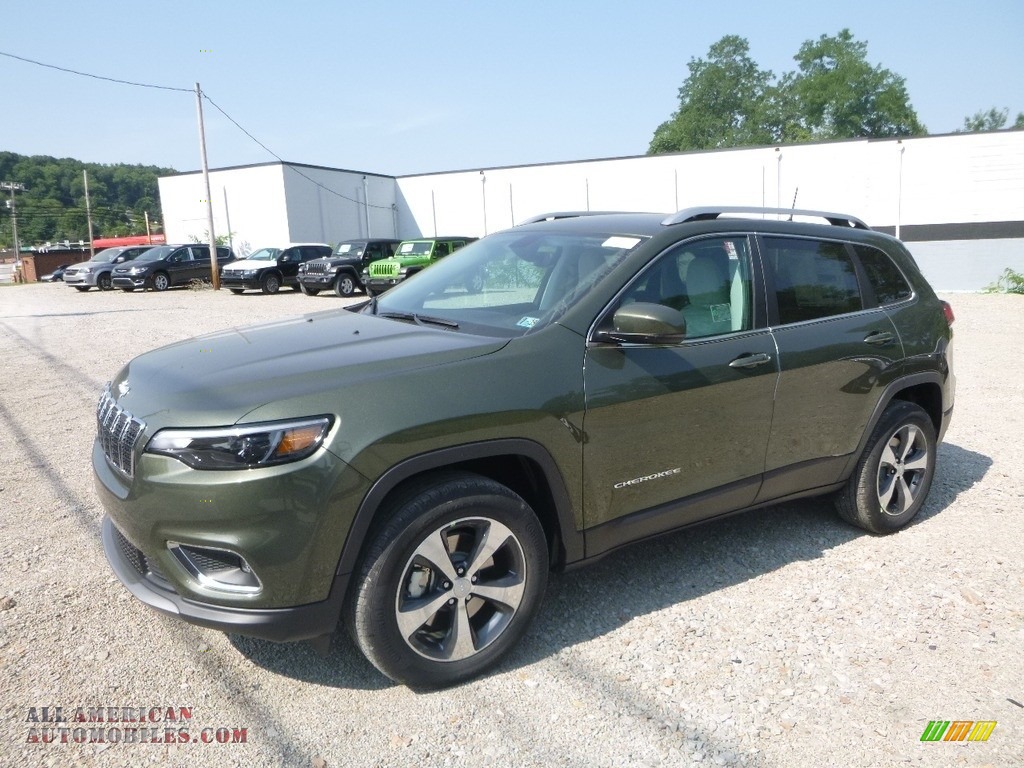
(309, 291)
(103, 282)
(161, 282)
(892, 479)
(271, 283)
(450, 583)
(344, 285)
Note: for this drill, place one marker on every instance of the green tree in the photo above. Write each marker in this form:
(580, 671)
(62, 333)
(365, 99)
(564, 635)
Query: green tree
(721, 102)
(728, 101)
(839, 95)
(993, 120)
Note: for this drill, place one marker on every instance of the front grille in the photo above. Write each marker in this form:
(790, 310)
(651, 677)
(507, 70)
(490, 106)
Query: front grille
(317, 267)
(118, 431)
(384, 269)
(141, 564)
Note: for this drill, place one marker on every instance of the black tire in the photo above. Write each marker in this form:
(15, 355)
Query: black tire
(236, 291)
(82, 288)
(103, 282)
(344, 285)
(370, 293)
(449, 517)
(128, 289)
(296, 287)
(270, 283)
(161, 282)
(891, 481)
(308, 291)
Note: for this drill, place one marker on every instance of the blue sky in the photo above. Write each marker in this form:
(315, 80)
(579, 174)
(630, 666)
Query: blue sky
(407, 87)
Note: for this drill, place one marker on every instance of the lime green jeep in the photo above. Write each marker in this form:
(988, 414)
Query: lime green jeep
(411, 257)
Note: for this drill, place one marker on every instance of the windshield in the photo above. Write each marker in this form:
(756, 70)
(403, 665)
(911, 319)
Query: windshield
(155, 254)
(264, 254)
(349, 249)
(418, 247)
(508, 283)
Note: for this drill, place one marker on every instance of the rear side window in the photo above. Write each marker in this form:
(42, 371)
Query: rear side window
(813, 278)
(885, 277)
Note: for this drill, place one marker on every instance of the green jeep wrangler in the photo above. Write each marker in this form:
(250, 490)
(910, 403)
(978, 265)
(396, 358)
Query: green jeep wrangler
(412, 256)
(615, 377)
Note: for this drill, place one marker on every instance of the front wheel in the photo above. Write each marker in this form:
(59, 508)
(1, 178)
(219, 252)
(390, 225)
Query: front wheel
(344, 286)
(161, 282)
(103, 282)
(892, 479)
(450, 583)
(270, 284)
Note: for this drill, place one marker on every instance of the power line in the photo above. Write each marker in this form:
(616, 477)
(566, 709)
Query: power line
(285, 162)
(95, 77)
(216, 106)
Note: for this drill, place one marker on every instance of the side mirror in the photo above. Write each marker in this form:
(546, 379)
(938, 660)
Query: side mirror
(118, 259)
(644, 323)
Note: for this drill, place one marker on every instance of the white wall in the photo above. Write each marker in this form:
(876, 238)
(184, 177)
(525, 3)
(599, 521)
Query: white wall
(326, 205)
(961, 178)
(253, 194)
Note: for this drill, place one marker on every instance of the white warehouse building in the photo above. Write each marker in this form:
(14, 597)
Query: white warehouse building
(956, 200)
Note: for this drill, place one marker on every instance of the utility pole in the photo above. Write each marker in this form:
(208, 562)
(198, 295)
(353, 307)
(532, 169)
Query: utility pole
(214, 272)
(88, 212)
(149, 236)
(13, 185)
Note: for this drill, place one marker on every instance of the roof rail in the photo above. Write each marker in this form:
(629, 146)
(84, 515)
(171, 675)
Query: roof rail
(561, 215)
(713, 212)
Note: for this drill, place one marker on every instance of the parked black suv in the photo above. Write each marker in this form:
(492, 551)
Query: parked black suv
(342, 269)
(267, 269)
(415, 467)
(164, 266)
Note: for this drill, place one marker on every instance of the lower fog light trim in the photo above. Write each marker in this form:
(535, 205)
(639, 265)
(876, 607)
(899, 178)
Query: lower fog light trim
(218, 570)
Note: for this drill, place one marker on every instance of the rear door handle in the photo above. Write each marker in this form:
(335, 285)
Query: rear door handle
(751, 361)
(879, 338)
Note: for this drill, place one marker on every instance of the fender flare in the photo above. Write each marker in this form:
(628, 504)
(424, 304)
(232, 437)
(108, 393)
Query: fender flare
(570, 539)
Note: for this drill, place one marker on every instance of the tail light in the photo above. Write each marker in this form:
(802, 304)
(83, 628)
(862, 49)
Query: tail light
(947, 311)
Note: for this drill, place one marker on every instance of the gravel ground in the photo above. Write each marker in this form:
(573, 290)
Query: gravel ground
(778, 638)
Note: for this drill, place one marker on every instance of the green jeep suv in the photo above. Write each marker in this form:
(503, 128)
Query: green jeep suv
(410, 257)
(611, 378)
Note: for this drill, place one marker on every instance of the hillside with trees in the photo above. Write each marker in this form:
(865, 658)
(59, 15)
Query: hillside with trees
(52, 206)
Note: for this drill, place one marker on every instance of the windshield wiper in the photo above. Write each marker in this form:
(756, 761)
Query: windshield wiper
(420, 319)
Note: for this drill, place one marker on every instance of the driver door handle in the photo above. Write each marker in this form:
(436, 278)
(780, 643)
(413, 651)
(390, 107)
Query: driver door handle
(751, 361)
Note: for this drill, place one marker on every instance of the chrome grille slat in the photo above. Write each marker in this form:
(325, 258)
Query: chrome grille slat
(118, 431)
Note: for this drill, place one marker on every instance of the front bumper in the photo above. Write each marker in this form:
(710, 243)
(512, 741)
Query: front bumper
(228, 280)
(381, 284)
(129, 281)
(303, 622)
(289, 524)
(318, 280)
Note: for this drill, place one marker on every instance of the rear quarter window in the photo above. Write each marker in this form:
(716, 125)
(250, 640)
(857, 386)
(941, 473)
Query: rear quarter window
(883, 275)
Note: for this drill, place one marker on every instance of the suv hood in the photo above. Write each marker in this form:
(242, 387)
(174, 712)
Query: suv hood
(218, 378)
(243, 264)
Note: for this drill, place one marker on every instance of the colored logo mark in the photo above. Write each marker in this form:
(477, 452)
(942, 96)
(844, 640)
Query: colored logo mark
(958, 730)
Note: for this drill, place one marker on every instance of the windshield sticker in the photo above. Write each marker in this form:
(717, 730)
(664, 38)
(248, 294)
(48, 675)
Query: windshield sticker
(406, 247)
(345, 248)
(730, 248)
(528, 322)
(619, 241)
(720, 313)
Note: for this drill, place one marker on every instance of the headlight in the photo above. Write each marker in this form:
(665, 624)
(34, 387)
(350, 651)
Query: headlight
(244, 446)
(136, 270)
(403, 270)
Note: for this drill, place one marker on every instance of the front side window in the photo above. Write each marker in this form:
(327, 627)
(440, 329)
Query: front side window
(813, 278)
(707, 281)
(885, 277)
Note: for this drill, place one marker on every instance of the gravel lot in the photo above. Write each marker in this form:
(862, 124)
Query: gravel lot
(777, 638)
